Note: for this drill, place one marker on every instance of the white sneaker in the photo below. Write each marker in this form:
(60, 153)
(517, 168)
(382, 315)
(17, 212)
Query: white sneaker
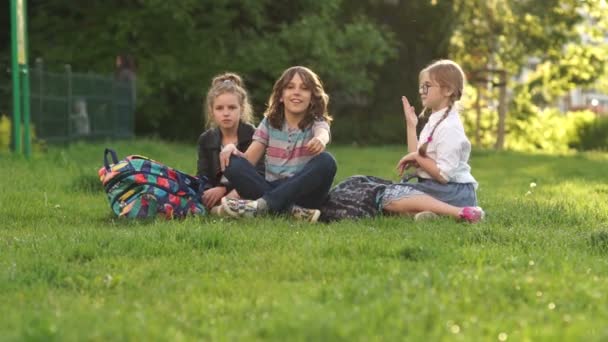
(239, 208)
(304, 214)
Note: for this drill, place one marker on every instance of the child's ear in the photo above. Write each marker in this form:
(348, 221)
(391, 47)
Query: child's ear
(448, 92)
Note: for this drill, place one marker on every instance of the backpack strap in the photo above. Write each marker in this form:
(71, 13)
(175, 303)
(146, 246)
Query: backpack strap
(105, 158)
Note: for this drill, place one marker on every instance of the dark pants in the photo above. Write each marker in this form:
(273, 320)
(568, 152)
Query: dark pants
(307, 188)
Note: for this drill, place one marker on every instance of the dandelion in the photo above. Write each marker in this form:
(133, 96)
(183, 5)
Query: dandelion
(503, 336)
(528, 193)
(539, 294)
(551, 306)
(533, 185)
(531, 262)
(455, 329)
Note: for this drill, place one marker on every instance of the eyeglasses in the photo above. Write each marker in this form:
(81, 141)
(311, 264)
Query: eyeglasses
(424, 88)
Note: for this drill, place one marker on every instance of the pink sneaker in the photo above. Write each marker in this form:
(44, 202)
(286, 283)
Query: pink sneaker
(471, 214)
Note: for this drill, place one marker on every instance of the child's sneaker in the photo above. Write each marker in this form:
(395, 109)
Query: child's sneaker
(217, 211)
(425, 216)
(239, 207)
(471, 214)
(303, 214)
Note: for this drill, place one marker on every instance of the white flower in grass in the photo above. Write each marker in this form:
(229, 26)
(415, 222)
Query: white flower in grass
(533, 185)
(531, 262)
(503, 336)
(528, 193)
(551, 306)
(455, 329)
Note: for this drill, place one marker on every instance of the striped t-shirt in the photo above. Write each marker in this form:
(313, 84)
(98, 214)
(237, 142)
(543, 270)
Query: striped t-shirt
(286, 151)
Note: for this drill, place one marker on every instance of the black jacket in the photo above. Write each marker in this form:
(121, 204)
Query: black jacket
(209, 147)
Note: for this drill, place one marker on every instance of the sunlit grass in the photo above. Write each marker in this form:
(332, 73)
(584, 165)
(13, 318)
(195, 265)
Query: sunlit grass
(536, 269)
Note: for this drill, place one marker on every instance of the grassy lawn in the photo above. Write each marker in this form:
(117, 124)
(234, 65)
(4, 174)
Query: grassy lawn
(536, 269)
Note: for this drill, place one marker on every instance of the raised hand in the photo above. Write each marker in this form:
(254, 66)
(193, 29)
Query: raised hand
(411, 119)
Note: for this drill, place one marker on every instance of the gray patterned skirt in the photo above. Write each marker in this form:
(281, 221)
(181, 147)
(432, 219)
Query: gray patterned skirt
(364, 196)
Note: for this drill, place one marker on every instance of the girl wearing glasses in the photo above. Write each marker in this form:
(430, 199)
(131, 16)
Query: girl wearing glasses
(440, 155)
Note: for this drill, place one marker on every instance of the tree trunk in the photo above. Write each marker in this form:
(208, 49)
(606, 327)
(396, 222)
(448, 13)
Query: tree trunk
(502, 111)
(478, 117)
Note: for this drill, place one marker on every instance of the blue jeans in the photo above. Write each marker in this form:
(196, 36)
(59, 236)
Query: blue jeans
(307, 188)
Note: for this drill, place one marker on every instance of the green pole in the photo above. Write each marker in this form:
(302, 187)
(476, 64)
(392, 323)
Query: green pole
(16, 122)
(25, 74)
(27, 139)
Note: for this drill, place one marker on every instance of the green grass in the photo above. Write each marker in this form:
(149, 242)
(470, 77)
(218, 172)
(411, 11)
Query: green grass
(536, 269)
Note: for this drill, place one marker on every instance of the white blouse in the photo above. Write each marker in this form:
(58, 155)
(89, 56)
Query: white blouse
(449, 147)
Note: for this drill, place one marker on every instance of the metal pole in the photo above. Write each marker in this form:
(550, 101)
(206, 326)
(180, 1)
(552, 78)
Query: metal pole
(39, 113)
(68, 75)
(27, 139)
(16, 122)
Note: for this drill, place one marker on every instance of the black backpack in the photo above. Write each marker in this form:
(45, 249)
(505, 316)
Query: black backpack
(354, 198)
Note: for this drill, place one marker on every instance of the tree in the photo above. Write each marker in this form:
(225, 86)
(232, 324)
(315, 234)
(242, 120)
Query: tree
(501, 35)
(422, 31)
(180, 45)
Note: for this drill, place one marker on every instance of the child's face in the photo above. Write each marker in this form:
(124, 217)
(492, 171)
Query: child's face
(226, 110)
(432, 94)
(296, 96)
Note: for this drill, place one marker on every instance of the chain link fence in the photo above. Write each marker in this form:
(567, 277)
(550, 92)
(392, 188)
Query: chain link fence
(67, 106)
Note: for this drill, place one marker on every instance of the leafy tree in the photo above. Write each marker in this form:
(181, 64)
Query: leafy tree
(180, 45)
(504, 35)
(422, 31)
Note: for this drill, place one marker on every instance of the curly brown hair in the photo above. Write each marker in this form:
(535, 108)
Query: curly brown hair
(318, 103)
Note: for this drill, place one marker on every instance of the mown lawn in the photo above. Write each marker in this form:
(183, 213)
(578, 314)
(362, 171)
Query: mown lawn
(536, 269)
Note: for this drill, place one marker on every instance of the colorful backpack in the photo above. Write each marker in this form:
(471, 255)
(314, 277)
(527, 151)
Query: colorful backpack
(139, 187)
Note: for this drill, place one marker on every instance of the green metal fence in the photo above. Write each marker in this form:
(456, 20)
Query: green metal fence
(67, 106)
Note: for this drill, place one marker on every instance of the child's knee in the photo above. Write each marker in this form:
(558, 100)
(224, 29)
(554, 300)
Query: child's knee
(236, 164)
(327, 162)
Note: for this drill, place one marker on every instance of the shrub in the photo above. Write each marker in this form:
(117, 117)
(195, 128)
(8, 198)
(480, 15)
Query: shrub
(6, 135)
(549, 131)
(593, 135)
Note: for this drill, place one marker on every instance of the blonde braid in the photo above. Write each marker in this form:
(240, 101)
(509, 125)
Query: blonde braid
(422, 149)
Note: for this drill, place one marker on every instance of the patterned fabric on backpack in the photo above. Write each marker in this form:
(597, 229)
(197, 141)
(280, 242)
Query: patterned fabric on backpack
(139, 187)
(353, 198)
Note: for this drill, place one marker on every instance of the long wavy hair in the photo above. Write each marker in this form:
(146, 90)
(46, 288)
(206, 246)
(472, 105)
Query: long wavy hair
(228, 83)
(318, 102)
(448, 75)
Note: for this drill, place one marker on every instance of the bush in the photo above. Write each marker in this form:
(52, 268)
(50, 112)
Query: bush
(549, 131)
(6, 135)
(593, 135)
